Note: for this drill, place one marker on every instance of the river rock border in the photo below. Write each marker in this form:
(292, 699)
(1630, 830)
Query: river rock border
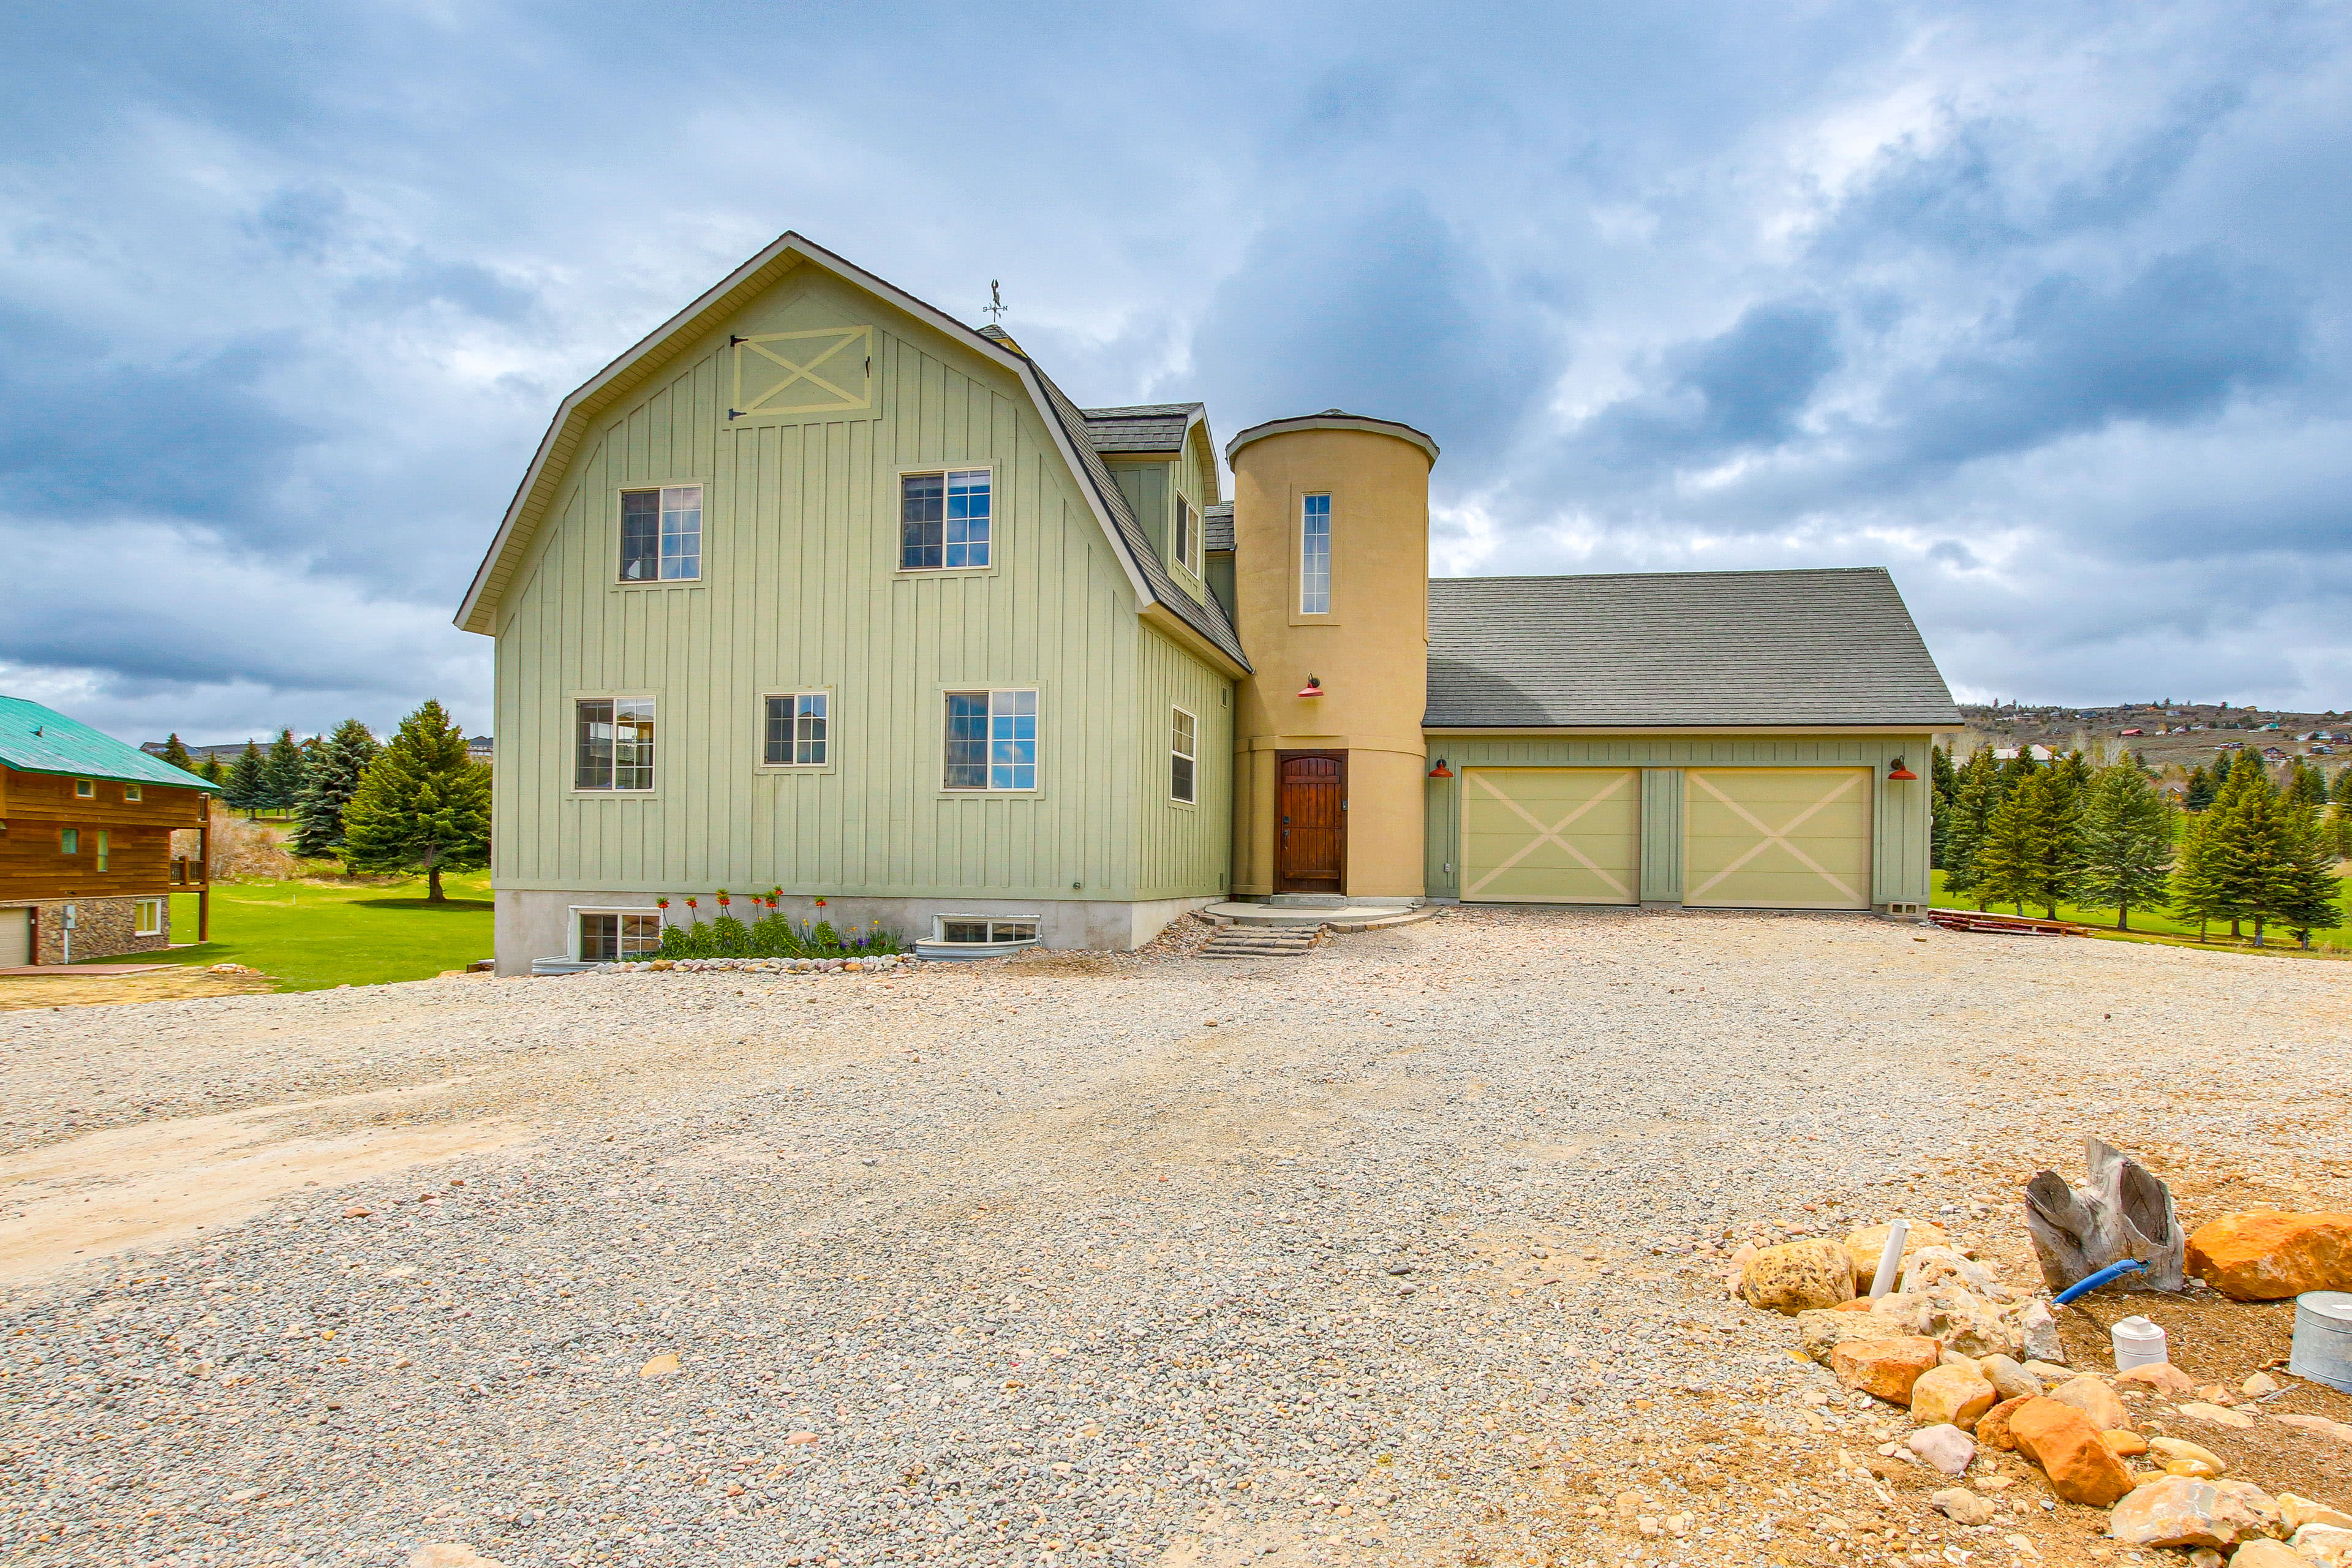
(878, 963)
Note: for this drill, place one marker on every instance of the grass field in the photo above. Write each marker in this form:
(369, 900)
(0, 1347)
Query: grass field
(310, 936)
(2145, 922)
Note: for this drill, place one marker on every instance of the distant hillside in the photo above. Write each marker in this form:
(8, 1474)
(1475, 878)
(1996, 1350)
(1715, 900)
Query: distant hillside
(2182, 735)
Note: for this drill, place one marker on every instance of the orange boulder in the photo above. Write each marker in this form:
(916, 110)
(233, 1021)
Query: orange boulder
(2061, 1439)
(2268, 1257)
(1886, 1368)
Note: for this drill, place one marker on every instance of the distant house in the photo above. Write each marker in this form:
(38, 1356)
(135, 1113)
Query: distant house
(85, 822)
(2132, 731)
(477, 748)
(2008, 754)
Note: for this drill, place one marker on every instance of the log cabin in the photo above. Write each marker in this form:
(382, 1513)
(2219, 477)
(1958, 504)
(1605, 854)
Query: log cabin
(86, 823)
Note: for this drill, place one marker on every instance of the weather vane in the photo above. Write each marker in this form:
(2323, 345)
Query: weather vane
(995, 303)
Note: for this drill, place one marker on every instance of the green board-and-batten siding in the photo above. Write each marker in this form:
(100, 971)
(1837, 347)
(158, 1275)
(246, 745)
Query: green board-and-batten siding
(800, 591)
(1898, 815)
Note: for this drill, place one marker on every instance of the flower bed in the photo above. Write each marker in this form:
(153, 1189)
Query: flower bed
(875, 964)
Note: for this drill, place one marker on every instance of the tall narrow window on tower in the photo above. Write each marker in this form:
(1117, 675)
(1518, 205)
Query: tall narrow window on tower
(1315, 555)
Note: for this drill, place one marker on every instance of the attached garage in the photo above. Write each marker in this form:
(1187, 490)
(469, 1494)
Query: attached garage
(1551, 836)
(1777, 838)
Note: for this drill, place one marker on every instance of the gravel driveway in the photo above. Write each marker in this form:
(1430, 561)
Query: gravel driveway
(1405, 1249)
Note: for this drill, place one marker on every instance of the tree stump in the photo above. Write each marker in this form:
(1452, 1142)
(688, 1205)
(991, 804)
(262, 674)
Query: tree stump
(2122, 1211)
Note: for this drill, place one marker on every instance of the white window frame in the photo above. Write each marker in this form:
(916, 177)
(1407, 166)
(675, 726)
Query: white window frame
(1308, 577)
(825, 695)
(572, 937)
(662, 510)
(1035, 923)
(612, 787)
(989, 743)
(85, 789)
(1187, 535)
(147, 918)
(1176, 753)
(130, 792)
(947, 473)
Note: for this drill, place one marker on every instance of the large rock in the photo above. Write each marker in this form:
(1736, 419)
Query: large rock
(1992, 1427)
(2179, 1457)
(2324, 1544)
(2094, 1398)
(1824, 1329)
(2037, 1329)
(1934, 1266)
(2013, 1381)
(1944, 1446)
(2298, 1511)
(1953, 1395)
(1967, 1323)
(2267, 1256)
(2178, 1512)
(2268, 1553)
(2061, 1439)
(1885, 1368)
(1798, 1277)
(2161, 1375)
(1867, 1245)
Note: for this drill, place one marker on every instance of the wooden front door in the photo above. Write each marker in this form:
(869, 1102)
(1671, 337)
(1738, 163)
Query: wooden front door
(1311, 801)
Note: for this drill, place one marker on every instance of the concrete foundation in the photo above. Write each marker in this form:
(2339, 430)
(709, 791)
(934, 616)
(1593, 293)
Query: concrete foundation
(103, 928)
(532, 923)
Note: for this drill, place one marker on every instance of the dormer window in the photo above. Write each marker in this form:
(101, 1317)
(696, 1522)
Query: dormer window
(1187, 536)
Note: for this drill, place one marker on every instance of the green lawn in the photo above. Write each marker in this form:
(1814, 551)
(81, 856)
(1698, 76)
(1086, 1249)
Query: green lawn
(313, 935)
(2147, 923)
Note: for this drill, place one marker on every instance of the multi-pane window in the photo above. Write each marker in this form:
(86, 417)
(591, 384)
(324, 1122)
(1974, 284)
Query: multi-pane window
(991, 740)
(1315, 555)
(943, 520)
(1187, 535)
(614, 743)
(661, 534)
(796, 733)
(1183, 748)
(150, 920)
(609, 938)
(971, 929)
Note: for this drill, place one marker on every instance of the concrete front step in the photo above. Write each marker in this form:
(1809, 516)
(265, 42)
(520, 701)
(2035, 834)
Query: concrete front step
(1349, 916)
(1258, 945)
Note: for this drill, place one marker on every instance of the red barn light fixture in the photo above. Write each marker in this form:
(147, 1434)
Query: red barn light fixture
(1314, 687)
(1441, 771)
(1896, 770)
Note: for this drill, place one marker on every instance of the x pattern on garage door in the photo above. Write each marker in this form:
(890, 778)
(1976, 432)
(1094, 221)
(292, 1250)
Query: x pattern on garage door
(1784, 839)
(1550, 836)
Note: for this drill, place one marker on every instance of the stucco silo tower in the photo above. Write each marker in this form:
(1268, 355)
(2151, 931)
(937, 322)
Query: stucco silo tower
(1331, 595)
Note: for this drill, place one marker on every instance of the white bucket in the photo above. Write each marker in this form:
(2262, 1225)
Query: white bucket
(2138, 1342)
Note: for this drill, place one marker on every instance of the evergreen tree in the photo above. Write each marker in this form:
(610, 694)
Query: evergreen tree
(282, 771)
(1973, 803)
(2302, 891)
(2025, 854)
(422, 805)
(2201, 790)
(246, 788)
(1943, 787)
(175, 754)
(2306, 787)
(2196, 888)
(2246, 841)
(333, 778)
(2342, 794)
(2335, 831)
(2127, 832)
(209, 770)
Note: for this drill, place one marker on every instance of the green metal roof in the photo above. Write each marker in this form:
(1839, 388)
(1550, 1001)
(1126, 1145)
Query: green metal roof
(37, 739)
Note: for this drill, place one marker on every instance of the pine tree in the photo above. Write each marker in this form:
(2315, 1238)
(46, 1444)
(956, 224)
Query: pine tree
(2301, 892)
(2127, 832)
(2196, 889)
(2335, 831)
(282, 773)
(176, 754)
(2342, 794)
(2306, 787)
(2024, 859)
(246, 788)
(1973, 803)
(2247, 839)
(1943, 788)
(2201, 790)
(209, 770)
(422, 805)
(333, 778)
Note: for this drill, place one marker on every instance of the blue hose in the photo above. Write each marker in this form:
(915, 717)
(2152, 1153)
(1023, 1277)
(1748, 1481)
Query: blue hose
(2084, 1286)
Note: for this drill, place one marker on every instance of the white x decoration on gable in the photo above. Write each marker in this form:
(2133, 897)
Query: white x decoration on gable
(826, 370)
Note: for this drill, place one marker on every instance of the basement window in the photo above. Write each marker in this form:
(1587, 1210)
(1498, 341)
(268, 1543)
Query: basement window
(151, 918)
(974, 930)
(617, 935)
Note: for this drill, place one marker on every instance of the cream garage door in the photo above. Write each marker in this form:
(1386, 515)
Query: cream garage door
(1777, 838)
(15, 938)
(1551, 836)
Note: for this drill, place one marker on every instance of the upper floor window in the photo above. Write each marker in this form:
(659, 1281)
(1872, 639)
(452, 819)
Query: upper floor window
(615, 743)
(661, 534)
(130, 792)
(943, 520)
(797, 734)
(1187, 536)
(1184, 747)
(85, 789)
(1315, 555)
(991, 740)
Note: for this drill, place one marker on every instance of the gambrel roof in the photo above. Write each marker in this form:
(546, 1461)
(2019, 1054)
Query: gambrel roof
(1202, 626)
(1813, 649)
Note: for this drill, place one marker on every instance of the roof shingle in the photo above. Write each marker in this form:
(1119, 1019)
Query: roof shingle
(37, 739)
(1143, 427)
(1217, 527)
(1662, 650)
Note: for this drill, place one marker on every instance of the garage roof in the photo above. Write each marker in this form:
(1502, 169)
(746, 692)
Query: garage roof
(1662, 650)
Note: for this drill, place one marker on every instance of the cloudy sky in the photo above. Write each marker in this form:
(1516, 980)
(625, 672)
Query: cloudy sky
(2041, 305)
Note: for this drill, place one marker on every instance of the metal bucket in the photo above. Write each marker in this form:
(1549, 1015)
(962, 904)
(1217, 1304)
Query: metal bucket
(2322, 1338)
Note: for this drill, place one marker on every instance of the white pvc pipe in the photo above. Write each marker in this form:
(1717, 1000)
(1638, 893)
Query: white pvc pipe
(1890, 1262)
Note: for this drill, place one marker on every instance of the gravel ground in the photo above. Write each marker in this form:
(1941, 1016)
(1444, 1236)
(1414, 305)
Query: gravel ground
(1408, 1251)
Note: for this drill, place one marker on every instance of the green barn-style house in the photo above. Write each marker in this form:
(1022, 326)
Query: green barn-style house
(816, 588)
